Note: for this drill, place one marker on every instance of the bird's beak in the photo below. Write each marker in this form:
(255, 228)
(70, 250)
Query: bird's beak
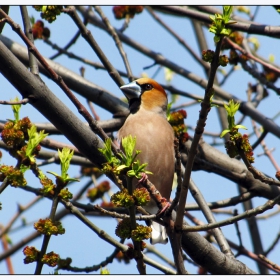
(131, 90)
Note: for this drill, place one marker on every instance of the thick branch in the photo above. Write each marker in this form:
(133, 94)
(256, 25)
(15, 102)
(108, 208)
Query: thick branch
(245, 108)
(85, 88)
(33, 88)
(213, 160)
(251, 28)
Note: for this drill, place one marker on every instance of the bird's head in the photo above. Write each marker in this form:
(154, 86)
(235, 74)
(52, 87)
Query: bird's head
(147, 94)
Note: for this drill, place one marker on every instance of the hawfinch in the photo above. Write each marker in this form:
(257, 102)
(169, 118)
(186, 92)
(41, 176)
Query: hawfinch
(154, 138)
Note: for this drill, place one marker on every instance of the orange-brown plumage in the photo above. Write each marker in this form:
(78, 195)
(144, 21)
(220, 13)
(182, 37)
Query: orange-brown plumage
(154, 136)
(154, 98)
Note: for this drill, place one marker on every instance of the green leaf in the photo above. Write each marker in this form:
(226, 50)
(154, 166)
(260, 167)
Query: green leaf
(168, 110)
(232, 107)
(53, 173)
(138, 169)
(41, 175)
(241, 126)
(128, 144)
(226, 32)
(65, 157)
(16, 108)
(213, 29)
(217, 39)
(121, 167)
(212, 17)
(24, 168)
(174, 98)
(219, 22)
(32, 20)
(34, 140)
(66, 179)
(131, 173)
(227, 10)
(271, 58)
(107, 150)
(168, 75)
(71, 180)
(224, 133)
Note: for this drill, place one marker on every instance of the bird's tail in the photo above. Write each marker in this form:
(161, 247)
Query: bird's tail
(158, 234)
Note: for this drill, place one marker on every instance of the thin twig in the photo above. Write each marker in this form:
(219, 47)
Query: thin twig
(206, 133)
(223, 203)
(179, 177)
(4, 185)
(101, 233)
(260, 139)
(107, 125)
(183, 105)
(137, 245)
(47, 238)
(158, 266)
(272, 246)
(264, 217)
(205, 108)
(245, 26)
(176, 246)
(117, 40)
(222, 211)
(58, 79)
(259, 76)
(245, 107)
(249, 55)
(33, 64)
(252, 212)
(153, 249)
(262, 257)
(217, 232)
(20, 102)
(8, 259)
(257, 174)
(226, 76)
(71, 11)
(96, 65)
(92, 268)
(237, 230)
(71, 42)
(178, 38)
(122, 216)
(21, 209)
(242, 250)
(267, 152)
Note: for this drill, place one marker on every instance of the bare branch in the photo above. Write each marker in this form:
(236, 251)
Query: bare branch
(88, 36)
(245, 108)
(50, 106)
(251, 28)
(117, 41)
(252, 212)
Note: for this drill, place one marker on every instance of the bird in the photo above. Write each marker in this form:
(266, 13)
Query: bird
(154, 138)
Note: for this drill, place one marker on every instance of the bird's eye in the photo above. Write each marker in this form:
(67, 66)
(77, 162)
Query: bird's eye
(147, 87)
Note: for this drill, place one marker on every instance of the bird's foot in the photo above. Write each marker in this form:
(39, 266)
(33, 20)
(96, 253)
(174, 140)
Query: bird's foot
(142, 179)
(165, 205)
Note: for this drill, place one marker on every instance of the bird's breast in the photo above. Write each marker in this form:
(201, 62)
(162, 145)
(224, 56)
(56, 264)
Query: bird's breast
(155, 140)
